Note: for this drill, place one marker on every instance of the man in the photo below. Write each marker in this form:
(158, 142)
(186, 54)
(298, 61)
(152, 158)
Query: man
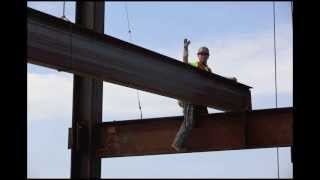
(191, 112)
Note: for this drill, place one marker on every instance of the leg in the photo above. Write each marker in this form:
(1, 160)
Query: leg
(185, 128)
(199, 110)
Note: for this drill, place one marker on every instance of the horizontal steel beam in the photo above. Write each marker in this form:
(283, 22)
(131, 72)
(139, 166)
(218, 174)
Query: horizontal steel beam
(62, 45)
(220, 131)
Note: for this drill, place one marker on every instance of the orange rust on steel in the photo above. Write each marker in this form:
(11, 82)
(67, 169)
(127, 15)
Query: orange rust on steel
(219, 131)
(110, 59)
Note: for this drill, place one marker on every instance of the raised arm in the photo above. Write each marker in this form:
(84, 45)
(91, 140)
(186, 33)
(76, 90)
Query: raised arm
(185, 50)
(186, 43)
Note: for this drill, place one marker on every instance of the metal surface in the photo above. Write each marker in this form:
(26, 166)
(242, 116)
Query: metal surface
(220, 131)
(51, 40)
(87, 103)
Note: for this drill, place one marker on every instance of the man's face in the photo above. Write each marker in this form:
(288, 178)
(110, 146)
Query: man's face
(203, 57)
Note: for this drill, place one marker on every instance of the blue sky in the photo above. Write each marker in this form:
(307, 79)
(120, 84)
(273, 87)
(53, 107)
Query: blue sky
(240, 38)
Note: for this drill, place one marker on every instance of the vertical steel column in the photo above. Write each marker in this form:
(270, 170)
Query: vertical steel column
(87, 103)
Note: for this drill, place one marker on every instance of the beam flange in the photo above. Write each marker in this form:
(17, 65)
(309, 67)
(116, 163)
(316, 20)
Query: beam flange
(220, 131)
(63, 45)
(87, 103)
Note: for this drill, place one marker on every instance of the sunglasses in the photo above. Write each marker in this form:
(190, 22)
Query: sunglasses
(203, 54)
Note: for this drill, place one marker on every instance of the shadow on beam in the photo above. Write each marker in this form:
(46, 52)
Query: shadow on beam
(220, 131)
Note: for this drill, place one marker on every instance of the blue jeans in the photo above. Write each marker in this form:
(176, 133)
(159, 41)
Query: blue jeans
(191, 113)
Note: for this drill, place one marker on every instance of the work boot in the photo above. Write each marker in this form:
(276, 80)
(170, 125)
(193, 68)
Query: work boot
(179, 149)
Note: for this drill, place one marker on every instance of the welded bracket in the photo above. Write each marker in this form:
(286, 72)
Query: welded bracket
(71, 144)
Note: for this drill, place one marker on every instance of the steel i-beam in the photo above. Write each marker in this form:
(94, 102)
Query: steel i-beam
(87, 102)
(63, 45)
(219, 131)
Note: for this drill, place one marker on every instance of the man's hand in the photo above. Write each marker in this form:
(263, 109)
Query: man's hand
(186, 43)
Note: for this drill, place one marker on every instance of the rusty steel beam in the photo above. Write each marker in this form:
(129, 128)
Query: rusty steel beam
(62, 45)
(87, 103)
(220, 131)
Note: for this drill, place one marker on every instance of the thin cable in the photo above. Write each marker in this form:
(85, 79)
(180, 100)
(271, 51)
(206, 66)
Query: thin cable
(275, 55)
(292, 7)
(63, 12)
(71, 45)
(63, 17)
(139, 104)
(130, 38)
(275, 72)
(292, 54)
(292, 14)
(128, 20)
(64, 7)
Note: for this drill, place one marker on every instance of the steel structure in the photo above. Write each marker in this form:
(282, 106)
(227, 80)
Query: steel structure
(58, 44)
(219, 131)
(83, 49)
(87, 103)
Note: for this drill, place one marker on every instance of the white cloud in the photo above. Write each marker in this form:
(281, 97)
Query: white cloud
(250, 58)
(121, 103)
(49, 96)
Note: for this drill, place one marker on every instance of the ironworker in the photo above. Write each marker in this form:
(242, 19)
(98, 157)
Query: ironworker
(191, 111)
